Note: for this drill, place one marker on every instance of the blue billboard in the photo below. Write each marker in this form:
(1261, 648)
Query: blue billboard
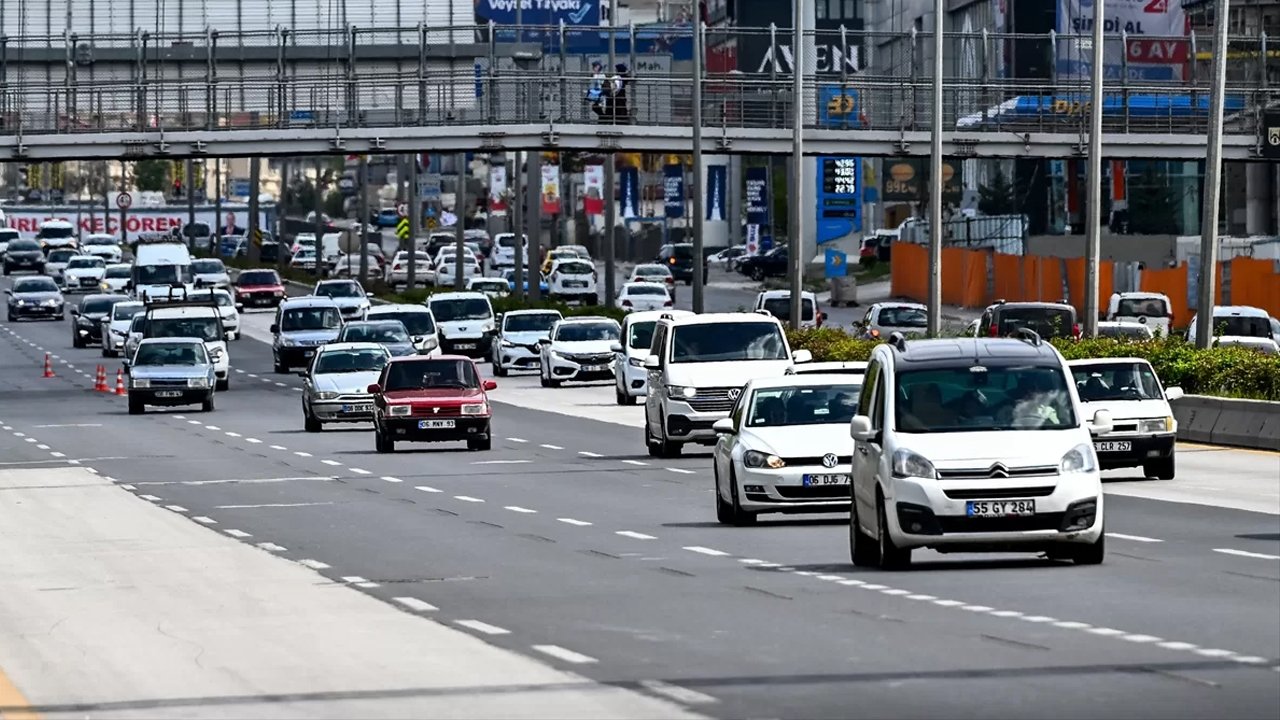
(538, 12)
(839, 197)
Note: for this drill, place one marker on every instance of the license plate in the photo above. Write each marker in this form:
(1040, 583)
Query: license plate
(1113, 446)
(594, 368)
(466, 346)
(812, 480)
(436, 424)
(169, 393)
(357, 408)
(1000, 508)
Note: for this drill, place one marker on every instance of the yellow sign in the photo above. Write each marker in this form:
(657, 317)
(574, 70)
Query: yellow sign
(431, 223)
(402, 229)
(840, 105)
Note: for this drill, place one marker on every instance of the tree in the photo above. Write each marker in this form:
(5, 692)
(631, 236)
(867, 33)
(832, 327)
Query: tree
(151, 175)
(999, 197)
(1153, 207)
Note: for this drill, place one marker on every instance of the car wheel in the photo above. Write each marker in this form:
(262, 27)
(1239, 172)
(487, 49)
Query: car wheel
(279, 368)
(891, 557)
(542, 377)
(310, 423)
(739, 516)
(498, 370)
(207, 405)
(1162, 469)
(382, 443)
(1091, 554)
(8, 316)
(669, 449)
(650, 443)
(480, 444)
(76, 342)
(136, 407)
(757, 274)
(620, 397)
(222, 385)
(724, 511)
(862, 547)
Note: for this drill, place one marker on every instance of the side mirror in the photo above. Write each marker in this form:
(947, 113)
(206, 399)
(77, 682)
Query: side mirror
(7, 291)
(802, 356)
(229, 336)
(239, 307)
(616, 348)
(373, 389)
(823, 316)
(275, 328)
(368, 294)
(75, 312)
(490, 385)
(1102, 423)
(302, 373)
(1173, 393)
(544, 341)
(723, 426)
(652, 363)
(860, 428)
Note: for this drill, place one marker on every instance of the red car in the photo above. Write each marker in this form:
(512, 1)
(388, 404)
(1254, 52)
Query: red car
(259, 288)
(431, 399)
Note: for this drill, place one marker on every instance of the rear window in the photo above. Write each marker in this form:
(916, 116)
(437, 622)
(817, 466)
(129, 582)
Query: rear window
(23, 246)
(56, 232)
(1146, 307)
(7, 234)
(903, 317)
(507, 241)
(258, 277)
(1045, 322)
(681, 252)
(781, 308)
(1236, 326)
(646, 289)
(94, 306)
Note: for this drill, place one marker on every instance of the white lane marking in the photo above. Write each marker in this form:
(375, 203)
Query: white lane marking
(255, 441)
(279, 447)
(253, 375)
(391, 479)
(1214, 652)
(830, 578)
(314, 564)
(1072, 625)
(852, 583)
(637, 463)
(280, 384)
(1175, 645)
(334, 463)
(1246, 553)
(681, 471)
(176, 508)
(299, 453)
(43, 447)
(919, 596)
(571, 521)
(751, 561)
(239, 371)
(360, 471)
(269, 505)
(194, 422)
(265, 380)
(947, 603)
(517, 440)
(501, 462)
(895, 591)
(232, 434)
(1006, 613)
(635, 535)
(150, 498)
(7, 427)
(977, 608)
(1249, 659)
(873, 586)
(810, 573)
(298, 389)
(57, 454)
(1105, 632)
(237, 533)
(564, 654)
(205, 520)
(482, 627)
(706, 551)
(551, 447)
(1138, 638)
(18, 434)
(212, 427)
(84, 425)
(518, 509)
(1133, 538)
(467, 498)
(271, 547)
(677, 693)
(415, 604)
(585, 453)
(1039, 618)
(354, 579)
(32, 440)
(427, 488)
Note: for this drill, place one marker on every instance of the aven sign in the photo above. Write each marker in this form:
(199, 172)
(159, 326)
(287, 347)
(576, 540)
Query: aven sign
(833, 54)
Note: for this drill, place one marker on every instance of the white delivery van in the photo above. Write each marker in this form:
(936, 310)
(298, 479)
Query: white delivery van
(158, 267)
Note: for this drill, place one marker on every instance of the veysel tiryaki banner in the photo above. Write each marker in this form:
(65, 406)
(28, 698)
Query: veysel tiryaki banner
(673, 190)
(717, 183)
(1152, 27)
(629, 180)
(593, 185)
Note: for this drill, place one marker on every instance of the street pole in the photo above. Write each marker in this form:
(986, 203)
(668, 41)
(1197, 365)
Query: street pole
(533, 216)
(699, 219)
(363, 183)
(124, 212)
(460, 225)
(935, 177)
(517, 220)
(1093, 217)
(415, 219)
(255, 178)
(319, 218)
(282, 212)
(190, 185)
(214, 244)
(1212, 183)
(797, 165)
(610, 223)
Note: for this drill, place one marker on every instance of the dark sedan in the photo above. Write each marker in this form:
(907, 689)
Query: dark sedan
(771, 264)
(86, 320)
(36, 297)
(24, 255)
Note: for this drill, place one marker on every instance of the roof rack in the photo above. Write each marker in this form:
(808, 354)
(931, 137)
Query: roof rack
(899, 341)
(666, 316)
(1027, 335)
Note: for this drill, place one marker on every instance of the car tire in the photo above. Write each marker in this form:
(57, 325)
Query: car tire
(480, 444)
(382, 443)
(8, 317)
(6, 270)
(1162, 469)
(310, 423)
(222, 385)
(739, 516)
(1091, 554)
(622, 398)
(889, 555)
(207, 405)
(724, 511)
(862, 547)
(280, 369)
(136, 407)
(543, 380)
(757, 274)
(76, 342)
(668, 449)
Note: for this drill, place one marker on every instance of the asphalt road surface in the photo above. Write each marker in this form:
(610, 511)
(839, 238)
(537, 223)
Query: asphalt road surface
(230, 564)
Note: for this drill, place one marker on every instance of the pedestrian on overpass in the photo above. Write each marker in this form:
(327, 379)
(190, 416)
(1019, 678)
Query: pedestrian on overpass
(618, 111)
(595, 93)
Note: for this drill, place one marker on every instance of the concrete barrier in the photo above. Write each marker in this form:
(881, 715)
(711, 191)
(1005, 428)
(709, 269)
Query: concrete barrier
(1224, 421)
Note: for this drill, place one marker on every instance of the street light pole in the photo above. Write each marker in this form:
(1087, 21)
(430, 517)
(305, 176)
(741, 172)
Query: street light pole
(798, 209)
(699, 219)
(1093, 218)
(935, 177)
(1212, 182)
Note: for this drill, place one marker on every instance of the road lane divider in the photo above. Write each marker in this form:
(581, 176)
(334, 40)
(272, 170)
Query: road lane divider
(1246, 554)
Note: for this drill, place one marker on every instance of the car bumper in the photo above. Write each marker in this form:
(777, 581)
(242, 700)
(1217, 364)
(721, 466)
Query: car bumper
(569, 371)
(684, 424)
(519, 358)
(333, 411)
(921, 514)
(90, 334)
(465, 428)
(115, 342)
(1142, 449)
(784, 490)
(35, 311)
(635, 381)
(259, 300)
(188, 396)
(23, 264)
(474, 345)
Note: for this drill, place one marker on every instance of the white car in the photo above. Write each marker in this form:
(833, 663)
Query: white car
(349, 266)
(56, 234)
(104, 246)
(83, 273)
(417, 319)
(1144, 431)
(446, 267)
(115, 277)
(785, 448)
(653, 272)
(580, 349)
(725, 257)
(573, 279)
(887, 318)
(1143, 308)
(1240, 325)
(631, 380)
(115, 327)
(504, 250)
(56, 261)
(974, 445)
(7, 234)
(778, 304)
(301, 241)
(193, 321)
(134, 337)
(210, 273)
(493, 287)
(643, 296)
(466, 321)
(424, 273)
(348, 295)
(335, 388)
(305, 259)
(1125, 331)
(519, 334)
(228, 308)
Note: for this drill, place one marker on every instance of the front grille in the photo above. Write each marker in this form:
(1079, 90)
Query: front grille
(168, 384)
(815, 492)
(816, 460)
(997, 471)
(961, 524)
(354, 399)
(1127, 427)
(999, 493)
(445, 412)
(599, 359)
(713, 399)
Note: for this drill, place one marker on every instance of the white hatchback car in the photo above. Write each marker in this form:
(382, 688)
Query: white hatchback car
(104, 246)
(83, 273)
(1144, 431)
(653, 272)
(1143, 308)
(631, 377)
(974, 445)
(778, 304)
(579, 349)
(520, 333)
(785, 448)
(643, 296)
(884, 319)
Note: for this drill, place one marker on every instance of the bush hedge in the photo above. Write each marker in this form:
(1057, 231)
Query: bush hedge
(1232, 372)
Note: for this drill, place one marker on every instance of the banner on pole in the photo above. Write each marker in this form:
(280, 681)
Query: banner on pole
(717, 183)
(593, 195)
(758, 195)
(673, 190)
(629, 179)
(550, 189)
(498, 190)
(1153, 47)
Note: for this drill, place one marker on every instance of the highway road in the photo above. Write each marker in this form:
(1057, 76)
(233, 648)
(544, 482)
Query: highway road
(182, 561)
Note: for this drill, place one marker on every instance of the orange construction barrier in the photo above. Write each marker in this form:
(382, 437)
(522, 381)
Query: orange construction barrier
(120, 383)
(48, 366)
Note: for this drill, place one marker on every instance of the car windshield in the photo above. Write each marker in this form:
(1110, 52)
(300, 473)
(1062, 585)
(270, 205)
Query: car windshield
(336, 362)
(575, 268)
(1046, 322)
(1124, 331)
(138, 321)
(585, 332)
(6, 235)
(61, 256)
(531, 322)
(125, 311)
(647, 289)
(903, 317)
(100, 241)
(98, 306)
(207, 267)
(23, 246)
(171, 354)
(507, 241)
(310, 318)
(428, 374)
(780, 307)
(461, 309)
(640, 335)
(417, 323)
(161, 274)
(219, 299)
(119, 271)
(258, 277)
(489, 285)
(207, 329)
(383, 332)
(728, 342)
(1142, 307)
(35, 285)
(979, 399)
(84, 262)
(826, 405)
(651, 271)
(339, 290)
(1238, 326)
(1116, 381)
(56, 232)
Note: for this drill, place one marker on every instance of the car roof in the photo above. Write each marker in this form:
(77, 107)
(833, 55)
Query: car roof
(55, 223)
(960, 352)
(34, 277)
(120, 265)
(1107, 361)
(574, 319)
(464, 295)
(307, 301)
(337, 281)
(388, 321)
(398, 308)
(835, 365)
(1142, 295)
(1240, 310)
(713, 318)
(86, 256)
(779, 294)
(644, 315)
(1055, 305)
(104, 296)
(895, 304)
(184, 311)
(784, 381)
(346, 346)
(532, 311)
(650, 265)
(429, 358)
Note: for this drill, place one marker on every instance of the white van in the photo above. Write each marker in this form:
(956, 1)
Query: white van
(1143, 308)
(504, 250)
(56, 234)
(1240, 325)
(157, 267)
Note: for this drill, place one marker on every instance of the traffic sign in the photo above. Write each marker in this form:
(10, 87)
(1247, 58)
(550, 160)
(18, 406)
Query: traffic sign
(257, 236)
(403, 210)
(402, 228)
(124, 201)
(432, 223)
(1271, 136)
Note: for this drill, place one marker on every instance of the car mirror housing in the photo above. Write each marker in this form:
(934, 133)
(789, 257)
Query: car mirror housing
(1174, 393)
(1102, 423)
(617, 348)
(374, 389)
(860, 428)
(652, 363)
(490, 385)
(802, 356)
(723, 426)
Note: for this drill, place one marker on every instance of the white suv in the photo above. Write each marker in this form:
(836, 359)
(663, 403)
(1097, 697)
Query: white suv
(573, 279)
(974, 445)
(1144, 432)
(631, 379)
(697, 367)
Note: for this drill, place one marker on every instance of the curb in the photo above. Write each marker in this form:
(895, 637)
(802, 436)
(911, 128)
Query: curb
(1253, 424)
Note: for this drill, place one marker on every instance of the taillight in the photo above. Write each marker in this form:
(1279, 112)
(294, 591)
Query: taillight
(666, 304)
(1075, 331)
(626, 303)
(875, 333)
(672, 261)
(818, 316)
(993, 331)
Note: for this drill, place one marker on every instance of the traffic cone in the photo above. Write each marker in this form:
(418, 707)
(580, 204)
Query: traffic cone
(120, 383)
(48, 366)
(100, 379)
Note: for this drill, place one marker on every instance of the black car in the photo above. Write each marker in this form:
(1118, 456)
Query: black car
(679, 260)
(36, 297)
(1048, 320)
(86, 320)
(24, 255)
(771, 264)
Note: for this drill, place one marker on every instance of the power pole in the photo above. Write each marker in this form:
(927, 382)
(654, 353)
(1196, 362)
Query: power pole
(1212, 183)
(363, 183)
(282, 214)
(935, 177)
(533, 216)
(517, 221)
(797, 165)
(217, 206)
(1093, 216)
(460, 225)
(255, 178)
(699, 219)
(610, 182)
(318, 201)
(190, 184)
(415, 219)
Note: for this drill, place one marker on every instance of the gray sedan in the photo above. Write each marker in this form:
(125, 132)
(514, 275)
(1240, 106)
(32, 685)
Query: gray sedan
(335, 387)
(390, 334)
(171, 371)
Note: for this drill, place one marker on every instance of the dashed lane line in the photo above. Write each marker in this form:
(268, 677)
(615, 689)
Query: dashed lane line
(314, 564)
(565, 654)
(427, 489)
(360, 471)
(391, 479)
(212, 427)
(518, 509)
(334, 463)
(706, 551)
(232, 434)
(637, 463)
(467, 498)
(681, 471)
(482, 627)
(205, 520)
(279, 447)
(300, 453)
(576, 523)
(1247, 554)
(176, 508)
(271, 547)
(359, 582)
(589, 454)
(551, 447)
(150, 498)
(415, 604)
(517, 440)
(254, 441)
(501, 462)
(677, 693)
(1133, 538)
(635, 535)
(237, 533)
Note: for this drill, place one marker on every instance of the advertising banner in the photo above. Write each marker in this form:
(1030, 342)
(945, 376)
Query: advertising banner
(1152, 49)
(27, 220)
(717, 184)
(550, 189)
(757, 180)
(498, 190)
(629, 180)
(593, 185)
(673, 190)
(907, 180)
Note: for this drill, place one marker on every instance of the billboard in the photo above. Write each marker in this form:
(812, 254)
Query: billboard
(593, 183)
(829, 56)
(907, 180)
(1151, 50)
(27, 219)
(550, 190)
(673, 190)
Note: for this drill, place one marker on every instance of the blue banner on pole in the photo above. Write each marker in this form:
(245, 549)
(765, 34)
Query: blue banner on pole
(629, 180)
(758, 196)
(717, 184)
(839, 197)
(673, 190)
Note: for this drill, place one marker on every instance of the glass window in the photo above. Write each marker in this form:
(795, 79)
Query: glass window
(1237, 326)
(651, 271)
(34, 285)
(417, 323)
(350, 361)
(585, 332)
(645, 289)
(171, 354)
(23, 246)
(461, 309)
(258, 277)
(424, 374)
(1117, 381)
(86, 262)
(728, 342)
(903, 317)
(161, 274)
(977, 399)
(118, 272)
(61, 256)
(575, 268)
(382, 332)
(124, 311)
(1144, 307)
(98, 306)
(312, 318)
(339, 290)
(774, 407)
(57, 233)
(207, 267)
(780, 307)
(208, 329)
(1046, 322)
(532, 322)
(640, 335)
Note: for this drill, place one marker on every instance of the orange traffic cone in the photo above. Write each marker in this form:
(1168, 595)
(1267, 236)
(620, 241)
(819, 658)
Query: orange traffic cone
(48, 366)
(120, 383)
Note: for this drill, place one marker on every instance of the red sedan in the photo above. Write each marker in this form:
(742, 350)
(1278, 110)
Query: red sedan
(431, 399)
(259, 288)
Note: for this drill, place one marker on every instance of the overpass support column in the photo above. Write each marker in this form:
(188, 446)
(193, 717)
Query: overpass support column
(1259, 198)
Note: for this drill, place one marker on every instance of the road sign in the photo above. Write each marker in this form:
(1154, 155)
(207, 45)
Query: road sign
(403, 210)
(1271, 136)
(124, 201)
(432, 223)
(402, 228)
(257, 237)
(837, 264)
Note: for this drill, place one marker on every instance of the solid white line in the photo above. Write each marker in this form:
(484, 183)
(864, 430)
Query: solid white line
(205, 520)
(299, 453)
(517, 440)
(568, 656)
(426, 488)
(237, 533)
(682, 471)
(314, 564)
(176, 508)
(482, 627)
(415, 604)
(518, 509)
(1134, 538)
(271, 547)
(706, 551)
(150, 498)
(360, 471)
(571, 521)
(551, 447)
(1246, 553)
(635, 462)
(335, 463)
(255, 441)
(269, 505)
(677, 693)
(585, 453)
(279, 447)
(635, 535)
(390, 479)
(85, 425)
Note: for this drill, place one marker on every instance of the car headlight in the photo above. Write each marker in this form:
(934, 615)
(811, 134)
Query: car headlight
(51, 302)
(141, 383)
(326, 395)
(279, 293)
(1079, 459)
(508, 344)
(197, 382)
(757, 459)
(22, 303)
(86, 322)
(908, 464)
(474, 409)
(288, 342)
(215, 354)
(398, 409)
(1159, 425)
(104, 285)
(635, 362)
(431, 343)
(488, 327)
(682, 391)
